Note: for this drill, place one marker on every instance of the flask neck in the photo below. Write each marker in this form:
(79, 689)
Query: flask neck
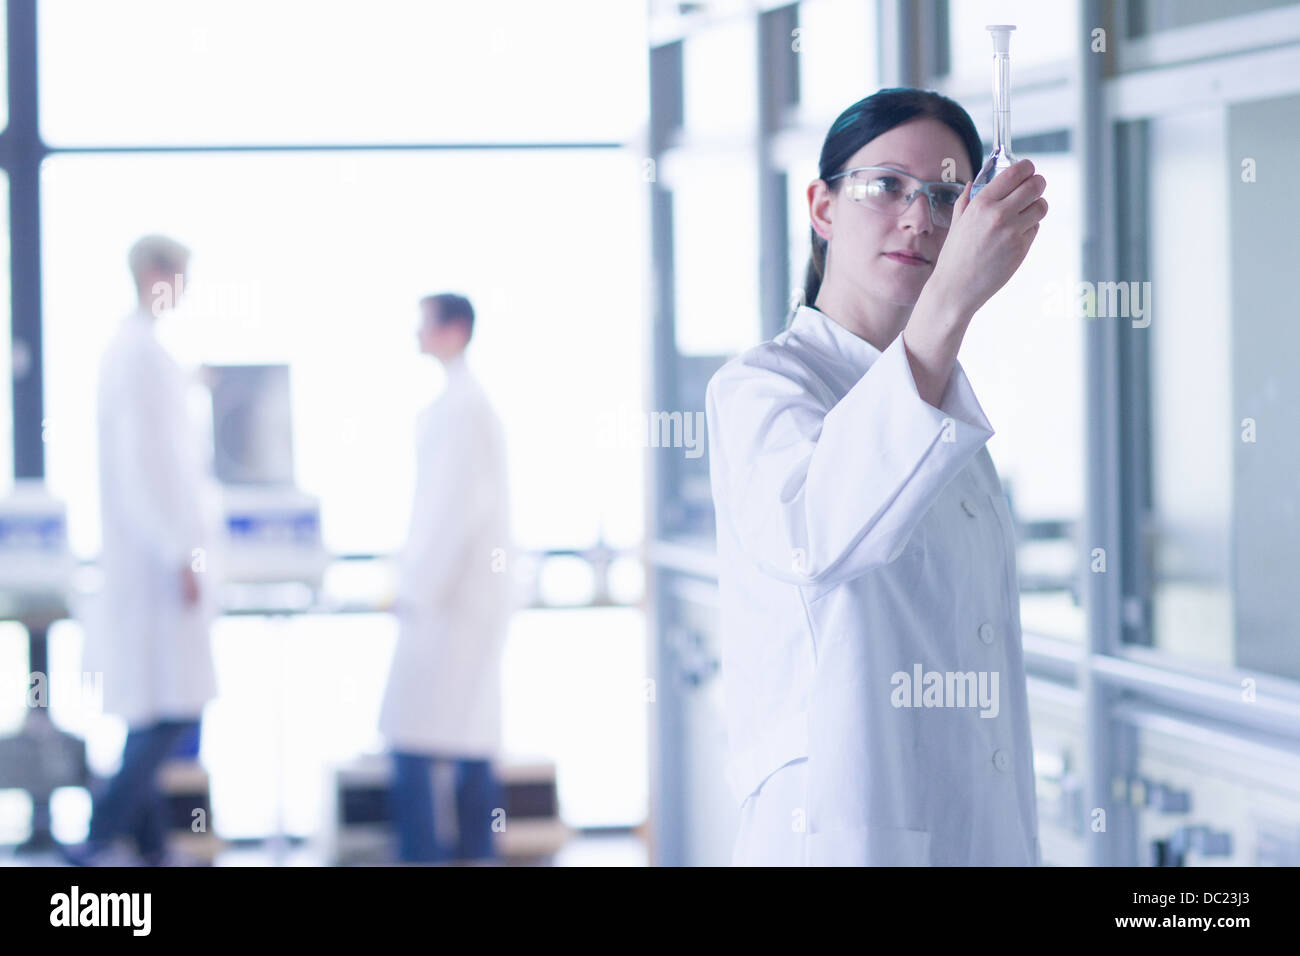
(1001, 102)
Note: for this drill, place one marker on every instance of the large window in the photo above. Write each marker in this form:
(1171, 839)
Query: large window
(317, 260)
(480, 153)
(331, 71)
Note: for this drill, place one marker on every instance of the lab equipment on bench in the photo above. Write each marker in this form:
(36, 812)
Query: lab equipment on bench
(35, 563)
(36, 570)
(272, 535)
(1001, 157)
(272, 528)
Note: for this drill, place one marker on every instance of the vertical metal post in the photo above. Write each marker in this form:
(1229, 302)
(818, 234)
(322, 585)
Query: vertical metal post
(900, 54)
(21, 152)
(22, 155)
(1132, 187)
(1109, 748)
(778, 92)
(668, 783)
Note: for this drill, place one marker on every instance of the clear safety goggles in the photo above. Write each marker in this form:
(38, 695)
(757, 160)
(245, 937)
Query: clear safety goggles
(891, 192)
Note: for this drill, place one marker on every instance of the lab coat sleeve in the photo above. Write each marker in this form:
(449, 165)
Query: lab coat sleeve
(156, 489)
(820, 491)
(441, 514)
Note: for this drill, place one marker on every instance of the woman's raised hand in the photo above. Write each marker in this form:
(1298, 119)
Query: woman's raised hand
(990, 235)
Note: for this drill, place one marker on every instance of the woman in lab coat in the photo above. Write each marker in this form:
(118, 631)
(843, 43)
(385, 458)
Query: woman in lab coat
(873, 674)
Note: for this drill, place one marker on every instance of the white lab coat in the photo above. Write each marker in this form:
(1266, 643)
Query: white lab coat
(861, 532)
(158, 514)
(454, 597)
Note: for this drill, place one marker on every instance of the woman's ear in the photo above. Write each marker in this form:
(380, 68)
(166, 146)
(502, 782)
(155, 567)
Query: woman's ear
(820, 200)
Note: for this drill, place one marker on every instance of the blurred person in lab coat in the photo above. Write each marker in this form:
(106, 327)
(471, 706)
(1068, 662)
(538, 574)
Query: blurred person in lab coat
(149, 633)
(441, 710)
(863, 536)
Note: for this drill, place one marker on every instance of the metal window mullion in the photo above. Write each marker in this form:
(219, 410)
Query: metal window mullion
(23, 153)
(668, 784)
(777, 78)
(898, 52)
(1132, 158)
(1111, 747)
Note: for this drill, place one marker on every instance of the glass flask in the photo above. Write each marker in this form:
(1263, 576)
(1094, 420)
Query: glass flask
(1001, 157)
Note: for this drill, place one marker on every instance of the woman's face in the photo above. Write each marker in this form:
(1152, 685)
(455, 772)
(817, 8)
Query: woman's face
(860, 237)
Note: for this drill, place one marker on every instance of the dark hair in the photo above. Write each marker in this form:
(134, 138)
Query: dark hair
(450, 307)
(864, 121)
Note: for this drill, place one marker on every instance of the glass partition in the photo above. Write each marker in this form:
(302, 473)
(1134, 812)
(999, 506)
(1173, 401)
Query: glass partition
(1224, 538)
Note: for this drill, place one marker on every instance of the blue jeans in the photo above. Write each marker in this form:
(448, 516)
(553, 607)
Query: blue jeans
(426, 831)
(131, 803)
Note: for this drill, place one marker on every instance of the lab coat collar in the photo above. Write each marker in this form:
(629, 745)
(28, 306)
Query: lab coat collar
(142, 321)
(822, 329)
(457, 369)
(143, 314)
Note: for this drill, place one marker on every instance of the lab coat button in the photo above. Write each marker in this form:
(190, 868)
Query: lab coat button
(1001, 760)
(986, 633)
(968, 507)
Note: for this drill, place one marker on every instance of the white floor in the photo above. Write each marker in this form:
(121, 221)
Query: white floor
(615, 849)
(301, 697)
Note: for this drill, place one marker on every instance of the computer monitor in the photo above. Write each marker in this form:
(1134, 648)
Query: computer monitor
(252, 430)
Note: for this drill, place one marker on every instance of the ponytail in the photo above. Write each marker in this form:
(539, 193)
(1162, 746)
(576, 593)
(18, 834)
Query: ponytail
(816, 271)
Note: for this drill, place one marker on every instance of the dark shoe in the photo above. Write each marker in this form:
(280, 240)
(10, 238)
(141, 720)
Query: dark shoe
(91, 854)
(172, 858)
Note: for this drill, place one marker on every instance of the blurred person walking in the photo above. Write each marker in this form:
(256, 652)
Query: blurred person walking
(149, 635)
(441, 710)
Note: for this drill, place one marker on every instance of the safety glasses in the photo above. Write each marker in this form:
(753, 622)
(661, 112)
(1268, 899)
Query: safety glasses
(891, 192)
